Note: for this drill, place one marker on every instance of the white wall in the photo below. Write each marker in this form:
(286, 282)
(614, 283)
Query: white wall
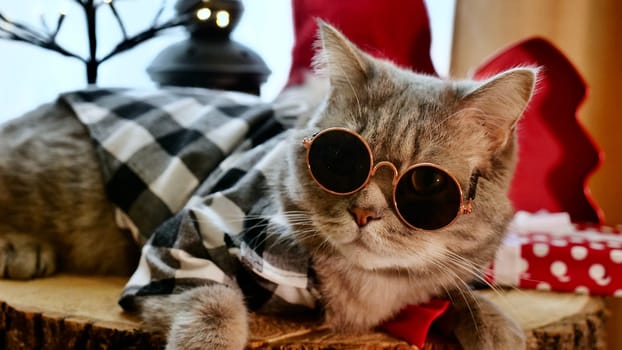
(30, 75)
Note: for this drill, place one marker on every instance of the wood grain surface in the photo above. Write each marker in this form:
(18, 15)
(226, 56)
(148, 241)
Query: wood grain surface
(72, 312)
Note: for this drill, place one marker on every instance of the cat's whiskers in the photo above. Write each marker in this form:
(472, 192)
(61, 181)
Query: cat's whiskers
(262, 219)
(477, 271)
(465, 293)
(322, 246)
(310, 233)
(438, 265)
(438, 261)
(466, 265)
(461, 262)
(262, 223)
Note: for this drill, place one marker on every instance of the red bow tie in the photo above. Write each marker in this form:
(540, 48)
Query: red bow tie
(414, 321)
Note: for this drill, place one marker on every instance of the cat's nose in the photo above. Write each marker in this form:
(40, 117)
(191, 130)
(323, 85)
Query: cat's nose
(363, 216)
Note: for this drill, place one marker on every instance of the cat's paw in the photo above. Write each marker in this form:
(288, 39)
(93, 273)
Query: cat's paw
(481, 325)
(215, 318)
(497, 333)
(212, 317)
(25, 257)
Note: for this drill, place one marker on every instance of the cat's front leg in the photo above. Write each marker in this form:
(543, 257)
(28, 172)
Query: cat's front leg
(479, 324)
(24, 257)
(208, 317)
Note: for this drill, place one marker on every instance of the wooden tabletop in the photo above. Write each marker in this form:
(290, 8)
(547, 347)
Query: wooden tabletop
(82, 312)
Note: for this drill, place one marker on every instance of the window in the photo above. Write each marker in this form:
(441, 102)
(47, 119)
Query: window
(30, 76)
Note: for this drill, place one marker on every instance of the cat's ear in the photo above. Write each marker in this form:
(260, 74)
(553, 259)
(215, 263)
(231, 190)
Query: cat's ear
(498, 103)
(339, 59)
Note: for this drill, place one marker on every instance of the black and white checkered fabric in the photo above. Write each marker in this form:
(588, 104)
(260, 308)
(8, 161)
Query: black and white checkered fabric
(186, 169)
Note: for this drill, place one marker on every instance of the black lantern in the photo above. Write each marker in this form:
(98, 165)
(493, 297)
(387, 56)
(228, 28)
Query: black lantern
(209, 58)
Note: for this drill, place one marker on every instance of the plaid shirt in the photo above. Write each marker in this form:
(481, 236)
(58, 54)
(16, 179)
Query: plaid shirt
(186, 169)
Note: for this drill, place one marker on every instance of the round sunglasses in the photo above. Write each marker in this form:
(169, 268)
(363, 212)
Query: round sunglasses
(425, 196)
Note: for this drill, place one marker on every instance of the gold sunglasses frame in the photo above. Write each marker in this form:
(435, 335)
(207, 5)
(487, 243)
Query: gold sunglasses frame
(465, 207)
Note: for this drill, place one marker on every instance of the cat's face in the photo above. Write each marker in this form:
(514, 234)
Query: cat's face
(465, 127)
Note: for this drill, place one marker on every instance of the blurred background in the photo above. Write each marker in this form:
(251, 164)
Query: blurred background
(30, 75)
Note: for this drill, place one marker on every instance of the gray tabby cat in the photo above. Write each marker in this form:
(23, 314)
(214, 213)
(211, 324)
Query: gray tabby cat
(54, 214)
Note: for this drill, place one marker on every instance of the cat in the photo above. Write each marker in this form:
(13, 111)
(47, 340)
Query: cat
(368, 262)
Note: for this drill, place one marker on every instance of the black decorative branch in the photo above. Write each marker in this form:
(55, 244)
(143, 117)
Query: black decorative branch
(46, 38)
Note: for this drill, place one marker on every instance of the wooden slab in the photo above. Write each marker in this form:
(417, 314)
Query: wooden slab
(81, 312)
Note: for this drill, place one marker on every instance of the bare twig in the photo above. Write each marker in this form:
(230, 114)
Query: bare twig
(144, 35)
(118, 18)
(59, 24)
(80, 2)
(21, 32)
(46, 38)
(53, 46)
(21, 27)
(158, 14)
(44, 24)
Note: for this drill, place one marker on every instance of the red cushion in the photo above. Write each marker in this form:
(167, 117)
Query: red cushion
(394, 29)
(556, 154)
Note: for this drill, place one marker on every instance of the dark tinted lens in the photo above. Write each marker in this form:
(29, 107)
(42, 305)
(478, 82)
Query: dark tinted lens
(339, 161)
(427, 198)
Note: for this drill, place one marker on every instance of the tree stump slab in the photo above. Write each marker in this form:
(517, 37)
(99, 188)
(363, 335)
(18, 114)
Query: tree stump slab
(75, 312)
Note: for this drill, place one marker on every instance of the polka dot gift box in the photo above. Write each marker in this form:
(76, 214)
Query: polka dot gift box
(547, 252)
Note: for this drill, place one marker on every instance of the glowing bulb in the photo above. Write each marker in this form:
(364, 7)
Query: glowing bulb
(204, 13)
(222, 19)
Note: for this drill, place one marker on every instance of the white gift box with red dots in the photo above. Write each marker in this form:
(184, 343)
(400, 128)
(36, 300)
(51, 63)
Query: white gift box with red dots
(547, 252)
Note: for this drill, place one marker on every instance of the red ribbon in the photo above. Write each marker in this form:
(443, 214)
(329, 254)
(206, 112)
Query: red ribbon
(414, 321)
